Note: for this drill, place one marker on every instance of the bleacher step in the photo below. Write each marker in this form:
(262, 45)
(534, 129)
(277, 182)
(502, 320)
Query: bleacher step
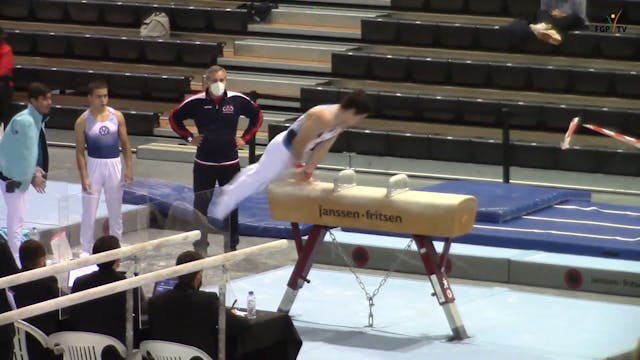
(320, 16)
(179, 153)
(306, 30)
(283, 86)
(275, 64)
(290, 50)
(381, 3)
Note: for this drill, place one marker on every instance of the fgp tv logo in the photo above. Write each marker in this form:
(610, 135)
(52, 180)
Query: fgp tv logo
(613, 26)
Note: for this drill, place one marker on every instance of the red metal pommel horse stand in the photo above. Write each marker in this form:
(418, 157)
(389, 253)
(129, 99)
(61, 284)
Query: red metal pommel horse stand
(395, 209)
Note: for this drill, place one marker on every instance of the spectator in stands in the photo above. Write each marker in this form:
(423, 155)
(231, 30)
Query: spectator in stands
(187, 315)
(554, 18)
(103, 130)
(33, 256)
(106, 315)
(215, 113)
(8, 267)
(24, 160)
(303, 146)
(6, 74)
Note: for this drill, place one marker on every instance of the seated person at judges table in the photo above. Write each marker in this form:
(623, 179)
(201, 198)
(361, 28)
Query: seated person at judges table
(189, 316)
(304, 145)
(33, 256)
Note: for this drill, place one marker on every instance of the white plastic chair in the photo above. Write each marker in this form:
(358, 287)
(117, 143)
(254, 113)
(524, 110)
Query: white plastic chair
(80, 345)
(166, 350)
(20, 340)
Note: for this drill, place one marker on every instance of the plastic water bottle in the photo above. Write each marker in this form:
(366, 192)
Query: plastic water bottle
(251, 305)
(34, 234)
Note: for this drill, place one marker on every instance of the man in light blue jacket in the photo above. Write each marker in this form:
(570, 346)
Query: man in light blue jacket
(24, 160)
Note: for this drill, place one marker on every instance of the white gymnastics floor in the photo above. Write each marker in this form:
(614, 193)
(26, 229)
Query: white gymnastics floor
(331, 312)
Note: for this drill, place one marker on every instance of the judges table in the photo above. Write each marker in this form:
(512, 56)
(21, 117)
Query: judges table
(271, 335)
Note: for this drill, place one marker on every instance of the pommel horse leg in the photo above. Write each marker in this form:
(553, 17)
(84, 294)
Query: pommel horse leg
(435, 272)
(301, 270)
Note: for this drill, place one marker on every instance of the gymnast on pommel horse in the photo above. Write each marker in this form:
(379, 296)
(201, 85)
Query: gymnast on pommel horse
(392, 209)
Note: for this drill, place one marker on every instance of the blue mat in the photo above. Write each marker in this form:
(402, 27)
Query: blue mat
(499, 202)
(175, 200)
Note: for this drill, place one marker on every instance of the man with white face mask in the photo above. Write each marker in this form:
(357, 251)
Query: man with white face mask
(215, 112)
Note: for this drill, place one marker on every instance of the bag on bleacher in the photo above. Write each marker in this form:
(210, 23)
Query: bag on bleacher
(260, 11)
(157, 24)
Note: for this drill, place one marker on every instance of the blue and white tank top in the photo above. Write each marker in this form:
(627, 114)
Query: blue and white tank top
(102, 137)
(325, 135)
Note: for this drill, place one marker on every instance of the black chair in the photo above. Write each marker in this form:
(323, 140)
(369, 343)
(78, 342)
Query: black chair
(486, 151)
(533, 155)
(51, 44)
(626, 83)
(87, 46)
(141, 123)
(522, 114)
(229, 19)
(21, 42)
(49, 10)
(469, 73)
(408, 4)
(15, 9)
(509, 76)
(398, 105)
(591, 81)
(124, 14)
(123, 49)
(549, 78)
(127, 85)
(448, 148)
(619, 46)
(526, 8)
(368, 142)
(317, 95)
(496, 7)
(448, 5)
(432, 108)
(405, 145)
(479, 111)
(416, 33)
(171, 88)
(579, 43)
(388, 67)
(492, 38)
(160, 50)
(83, 12)
(379, 29)
(350, 63)
(63, 117)
(190, 19)
(428, 70)
(456, 35)
(195, 53)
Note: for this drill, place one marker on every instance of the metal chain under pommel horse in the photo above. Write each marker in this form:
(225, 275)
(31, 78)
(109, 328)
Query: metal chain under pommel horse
(394, 209)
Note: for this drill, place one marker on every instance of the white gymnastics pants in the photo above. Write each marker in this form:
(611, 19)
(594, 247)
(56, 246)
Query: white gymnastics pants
(16, 203)
(103, 174)
(275, 163)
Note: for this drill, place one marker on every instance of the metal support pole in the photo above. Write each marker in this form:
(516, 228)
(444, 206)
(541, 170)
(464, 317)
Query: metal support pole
(222, 315)
(129, 322)
(506, 145)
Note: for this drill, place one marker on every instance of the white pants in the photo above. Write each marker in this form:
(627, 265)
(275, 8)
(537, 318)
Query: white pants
(103, 174)
(275, 163)
(16, 203)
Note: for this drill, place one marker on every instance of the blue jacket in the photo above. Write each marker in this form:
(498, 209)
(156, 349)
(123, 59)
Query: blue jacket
(20, 146)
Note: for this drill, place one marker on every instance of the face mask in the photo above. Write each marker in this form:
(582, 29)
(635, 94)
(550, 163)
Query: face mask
(217, 88)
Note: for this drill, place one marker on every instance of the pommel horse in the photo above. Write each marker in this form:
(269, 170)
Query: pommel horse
(395, 209)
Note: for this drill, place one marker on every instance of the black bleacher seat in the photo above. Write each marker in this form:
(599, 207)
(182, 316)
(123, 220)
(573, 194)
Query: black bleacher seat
(399, 106)
(447, 148)
(229, 19)
(190, 19)
(49, 11)
(538, 47)
(469, 73)
(388, 67)
(518, 8)
(614, 119)
(486, 151)
(311, 96)
(621, 162)
(198, 53)
(127, 85)
(532, 155)
(21, 42)
(557, 117)
(341, 144)
(274, 129)
(416, 33)
(379, 29)
(123, 49)
(427, 70)
(457, 35)
(350, 63)
(632, 12)
(580, 159)
(631, 120)
(160, 50)
(83, 12)
(447, 5)
(405, 145)
(81, 80)
(549, 78)
(368, 142)
(579, 43)
(125, 14)
(15, 9)
(409, 4)
(626, 83)
(479, 111)
(522, 114)
(22, 76)
(51, 44)
(509, 76)
(172, 88)
(492, 38)
(619, 46)
(438, 108)
(496, 7)
(591, 81)
(87, 47)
